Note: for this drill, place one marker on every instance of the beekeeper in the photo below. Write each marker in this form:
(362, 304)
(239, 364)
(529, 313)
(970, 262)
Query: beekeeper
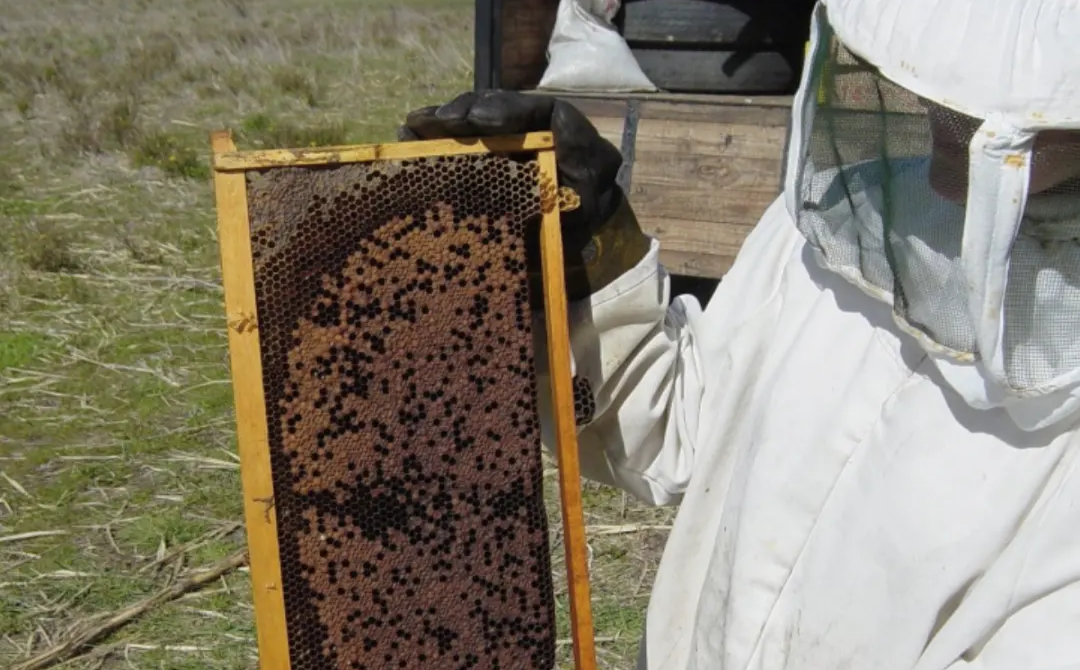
(872, 427)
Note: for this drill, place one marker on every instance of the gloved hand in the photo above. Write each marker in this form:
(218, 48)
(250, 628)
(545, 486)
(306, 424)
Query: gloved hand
(601, 238)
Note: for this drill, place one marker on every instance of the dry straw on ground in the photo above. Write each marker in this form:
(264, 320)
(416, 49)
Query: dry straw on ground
(83, 633)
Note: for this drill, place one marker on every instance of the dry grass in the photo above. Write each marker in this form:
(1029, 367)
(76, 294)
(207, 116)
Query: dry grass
(118, 472)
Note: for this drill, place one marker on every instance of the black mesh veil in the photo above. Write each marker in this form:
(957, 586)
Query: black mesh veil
(881, 193)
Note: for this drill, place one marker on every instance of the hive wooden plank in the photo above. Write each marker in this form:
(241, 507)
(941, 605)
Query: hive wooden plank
(696, 248)
(687, 21)
(748, 112)
(704, 188)
(712, 71)
(736, 142)
(703, 174)
(715, 22)
(653, 200)
(705, 103)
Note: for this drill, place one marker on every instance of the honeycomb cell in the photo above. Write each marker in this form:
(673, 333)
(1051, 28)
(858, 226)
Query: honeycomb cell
(584, 401)
(398, 371)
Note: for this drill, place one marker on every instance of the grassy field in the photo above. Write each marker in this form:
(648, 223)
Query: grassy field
(118, 472)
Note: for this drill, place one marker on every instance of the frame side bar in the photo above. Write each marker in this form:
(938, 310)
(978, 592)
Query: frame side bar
(562, 390)
(238, 276)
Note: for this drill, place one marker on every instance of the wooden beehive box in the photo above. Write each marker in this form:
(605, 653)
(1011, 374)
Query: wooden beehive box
(683, 46)
(700, 168)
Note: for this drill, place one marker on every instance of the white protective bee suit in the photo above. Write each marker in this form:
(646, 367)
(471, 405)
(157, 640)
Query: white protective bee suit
(872, 427)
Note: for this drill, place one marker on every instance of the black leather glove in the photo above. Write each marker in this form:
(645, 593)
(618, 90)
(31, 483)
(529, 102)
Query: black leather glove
(601, 238)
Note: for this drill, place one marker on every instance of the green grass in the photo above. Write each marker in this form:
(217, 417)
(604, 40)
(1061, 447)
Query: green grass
(116, 424)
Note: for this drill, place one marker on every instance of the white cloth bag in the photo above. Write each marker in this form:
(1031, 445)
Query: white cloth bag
(587, 53)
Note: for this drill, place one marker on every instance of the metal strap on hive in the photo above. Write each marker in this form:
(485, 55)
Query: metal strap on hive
(382, 359)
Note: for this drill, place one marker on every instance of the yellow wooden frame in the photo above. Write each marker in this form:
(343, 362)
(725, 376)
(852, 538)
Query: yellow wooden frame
(234, 239)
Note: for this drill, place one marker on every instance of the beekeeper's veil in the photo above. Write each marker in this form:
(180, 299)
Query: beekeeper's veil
(935, 163)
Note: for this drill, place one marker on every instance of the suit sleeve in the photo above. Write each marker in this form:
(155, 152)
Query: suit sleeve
(638, 384)
(651, 377)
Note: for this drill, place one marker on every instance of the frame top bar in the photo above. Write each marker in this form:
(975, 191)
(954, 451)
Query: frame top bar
(232, 161)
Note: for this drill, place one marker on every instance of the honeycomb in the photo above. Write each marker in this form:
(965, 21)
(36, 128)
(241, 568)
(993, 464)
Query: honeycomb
(584, 401)
(398, 370)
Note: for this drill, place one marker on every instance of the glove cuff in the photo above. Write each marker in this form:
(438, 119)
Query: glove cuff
(612, 248)
(615, 246)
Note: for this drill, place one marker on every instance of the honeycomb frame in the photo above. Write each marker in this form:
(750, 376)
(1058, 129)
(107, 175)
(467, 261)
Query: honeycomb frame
(239, 258)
